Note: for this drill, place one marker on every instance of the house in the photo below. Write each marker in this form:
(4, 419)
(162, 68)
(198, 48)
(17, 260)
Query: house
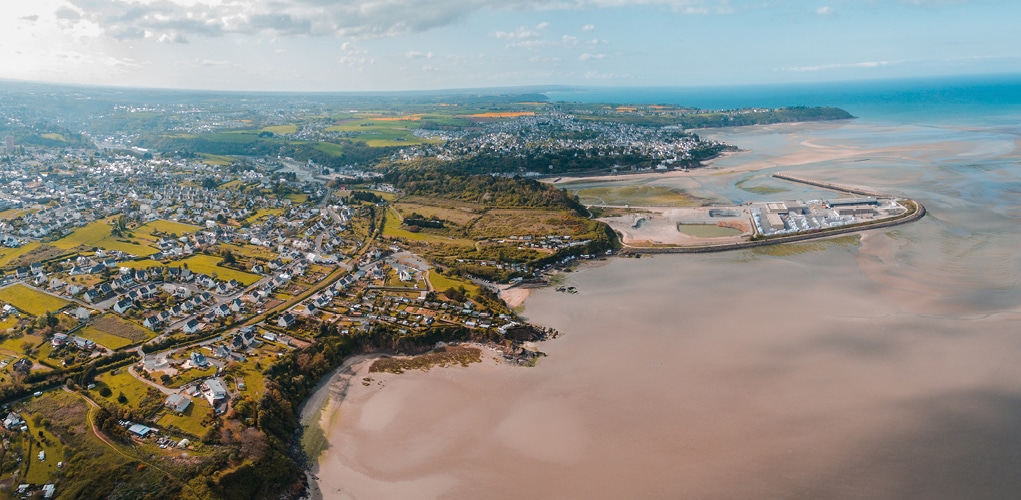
(23, 365)
(13, 421)
(82, 314)
(198, 359)
(151, 363)
(221, 311)
(152, 322)
(58, 340)
(123, 305)
(285, 320)
(237, 305)
(178, 402)
(214, 391)
(82, 343)
(192, 326)
(222, 352)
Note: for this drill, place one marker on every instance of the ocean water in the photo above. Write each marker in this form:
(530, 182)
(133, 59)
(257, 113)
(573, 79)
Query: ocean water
(885, 367)
(982, 100)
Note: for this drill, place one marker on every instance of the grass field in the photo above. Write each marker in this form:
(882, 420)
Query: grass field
(393, 229)
(31, 300)
(329, 148)
(459, 214)
(210, 159)
(166, 227)
(265, 212)
(191, 421)
(41, 472)
(441, 282)
(13, 345)
(280, 129)
(29, 253)
(122, 382)
(191, 375)
(655, 196)
(208, 264)
(500, 223)
(297, 198)
(104, 339)
(98, 234)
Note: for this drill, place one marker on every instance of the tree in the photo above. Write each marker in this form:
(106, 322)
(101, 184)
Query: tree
(228, 258)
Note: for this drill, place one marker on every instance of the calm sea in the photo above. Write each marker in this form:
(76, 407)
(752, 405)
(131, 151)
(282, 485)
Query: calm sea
(960, 100)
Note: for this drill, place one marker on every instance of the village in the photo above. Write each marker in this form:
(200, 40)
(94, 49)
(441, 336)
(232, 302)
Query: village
(162, 288)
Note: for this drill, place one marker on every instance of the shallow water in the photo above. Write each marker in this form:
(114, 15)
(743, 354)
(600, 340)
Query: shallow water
(887, 369)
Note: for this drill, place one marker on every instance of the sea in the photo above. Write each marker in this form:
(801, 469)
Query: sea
(886, 365)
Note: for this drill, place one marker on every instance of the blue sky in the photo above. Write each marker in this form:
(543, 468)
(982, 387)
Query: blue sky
(353, 45)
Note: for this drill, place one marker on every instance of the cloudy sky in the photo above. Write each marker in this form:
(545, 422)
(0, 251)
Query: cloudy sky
(429, 44)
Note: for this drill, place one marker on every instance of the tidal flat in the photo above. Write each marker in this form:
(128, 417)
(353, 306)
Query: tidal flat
(884, 366)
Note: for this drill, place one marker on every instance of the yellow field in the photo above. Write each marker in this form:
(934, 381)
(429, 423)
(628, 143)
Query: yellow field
(8, 255)
(98, 234)
(265, 212)
(30, 300)
(409, 118)
(104, 339)
(297, 198)
(41, 472)
(219, 160)
(13, 345)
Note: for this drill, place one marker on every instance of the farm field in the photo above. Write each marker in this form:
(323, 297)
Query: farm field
(41, 472)
(265, 212)
(166, 227)
(13, 345)
(459, 214)
(114, 333)
(31, 300)
(280, 129)
(28, 254)
(297, 198)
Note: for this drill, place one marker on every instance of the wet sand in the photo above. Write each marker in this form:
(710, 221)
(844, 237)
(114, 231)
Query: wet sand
(881, 370)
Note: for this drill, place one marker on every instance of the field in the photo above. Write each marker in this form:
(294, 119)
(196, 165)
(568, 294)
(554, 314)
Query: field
(297, 198)
(31, 300)
(441, 283)
(654, 196)
(381, 132)
(166, 227)
(41, 472)
(280, 129)
(458, 213)
(191, 375)
(207, 264)
(393, 229)
(124, 383)
(210, 159)
(114, 333)
(13, 345)
(190, 421)
(265, 212)
(329, 148)
(98, 234)
(500, 223)
(502, 114)
(28, 254)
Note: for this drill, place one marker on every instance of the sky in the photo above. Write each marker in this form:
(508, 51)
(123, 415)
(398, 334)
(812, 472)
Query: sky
(365, 45)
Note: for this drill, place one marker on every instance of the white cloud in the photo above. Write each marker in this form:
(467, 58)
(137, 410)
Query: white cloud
(414, 54)
(825, 67)
(824, 11)
(588, 27)
(127, 19)
(587, 56)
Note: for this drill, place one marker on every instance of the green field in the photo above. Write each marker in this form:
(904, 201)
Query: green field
(297, 198)
(207, 264)
(191, 375)
(122, 382)
(330, 148)
(166, 227)
(211, 159)
(441, 283)
(104, 339)
(13, 345)
(41, 472)
(191, 421)
(655, 196)
(393, 229)
(30, 300)
(280, 129)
